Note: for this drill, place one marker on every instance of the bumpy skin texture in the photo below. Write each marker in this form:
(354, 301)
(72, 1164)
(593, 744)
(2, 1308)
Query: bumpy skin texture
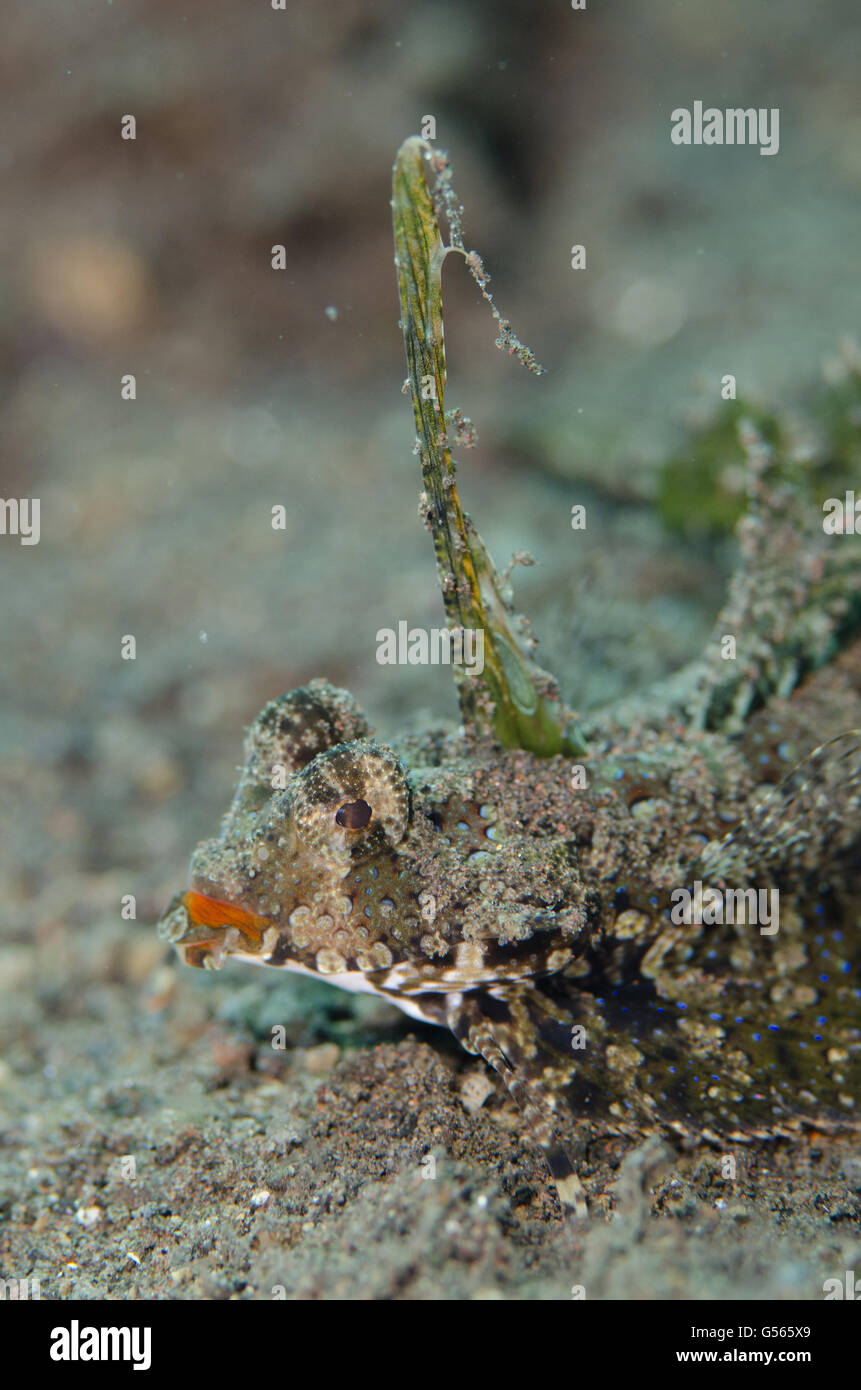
(493, 893)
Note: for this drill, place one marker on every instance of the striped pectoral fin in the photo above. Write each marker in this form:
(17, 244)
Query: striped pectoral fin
(780, 881)
(810, 818)
(520, 1033)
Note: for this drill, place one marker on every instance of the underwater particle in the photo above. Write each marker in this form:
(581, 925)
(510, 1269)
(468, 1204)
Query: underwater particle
(649, 312)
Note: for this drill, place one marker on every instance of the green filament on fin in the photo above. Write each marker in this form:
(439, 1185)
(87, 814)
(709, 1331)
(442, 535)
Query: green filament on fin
(512, 699)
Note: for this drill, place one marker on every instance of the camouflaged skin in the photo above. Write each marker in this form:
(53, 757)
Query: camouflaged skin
(493, 893)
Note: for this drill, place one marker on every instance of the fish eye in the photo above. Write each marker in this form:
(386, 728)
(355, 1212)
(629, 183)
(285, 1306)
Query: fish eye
(351, 802)
(353, 815)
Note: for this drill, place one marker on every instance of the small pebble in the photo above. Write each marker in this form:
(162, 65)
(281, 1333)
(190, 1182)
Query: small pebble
(88, 1216)
(474, 1090)
(321, 1059)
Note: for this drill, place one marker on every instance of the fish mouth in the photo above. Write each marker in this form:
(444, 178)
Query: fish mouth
(205, 929)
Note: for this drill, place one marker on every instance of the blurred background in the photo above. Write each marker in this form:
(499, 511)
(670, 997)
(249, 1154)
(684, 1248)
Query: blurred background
(258, 127)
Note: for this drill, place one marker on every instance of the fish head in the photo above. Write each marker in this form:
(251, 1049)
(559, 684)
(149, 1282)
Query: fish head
(338, 859)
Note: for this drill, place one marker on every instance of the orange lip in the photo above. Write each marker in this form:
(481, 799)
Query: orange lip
(209, 912)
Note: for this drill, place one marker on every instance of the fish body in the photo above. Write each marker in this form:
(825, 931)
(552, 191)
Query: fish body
(526, 904)
(662, 931)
